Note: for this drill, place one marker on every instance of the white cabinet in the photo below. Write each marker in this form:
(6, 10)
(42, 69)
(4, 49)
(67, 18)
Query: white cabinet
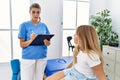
(117, 69)
(111, 57)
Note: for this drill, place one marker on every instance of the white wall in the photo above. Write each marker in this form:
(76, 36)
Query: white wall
(113, 6)
(96, 5)
(51, 14)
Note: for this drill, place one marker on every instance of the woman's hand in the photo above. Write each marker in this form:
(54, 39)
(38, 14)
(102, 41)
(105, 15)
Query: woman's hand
(32, 36)
(24, 43)
(46, 42)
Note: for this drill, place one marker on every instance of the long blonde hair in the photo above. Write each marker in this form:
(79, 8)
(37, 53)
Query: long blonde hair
(88, 43)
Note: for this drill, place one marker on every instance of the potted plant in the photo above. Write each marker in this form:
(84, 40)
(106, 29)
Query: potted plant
(114, 41)
(102, 22)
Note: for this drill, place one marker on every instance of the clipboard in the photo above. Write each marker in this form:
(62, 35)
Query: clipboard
(39, 40)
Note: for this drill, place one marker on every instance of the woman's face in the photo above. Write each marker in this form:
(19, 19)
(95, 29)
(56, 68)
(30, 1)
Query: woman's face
(35, 13)
(76, 39)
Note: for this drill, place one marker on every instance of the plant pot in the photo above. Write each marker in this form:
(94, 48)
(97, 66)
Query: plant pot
(114, 44)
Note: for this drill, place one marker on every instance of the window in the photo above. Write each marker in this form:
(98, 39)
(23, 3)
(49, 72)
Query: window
(67, 33)
(75, 13)
(20, 13)
(82, 13)
(13, 13)
(69, 14)
(5, 46)
(4, 14)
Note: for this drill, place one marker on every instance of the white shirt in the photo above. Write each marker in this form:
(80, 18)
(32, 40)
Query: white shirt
(85, 62)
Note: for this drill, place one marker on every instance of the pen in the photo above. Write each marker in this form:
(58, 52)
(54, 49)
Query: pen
(34, 32)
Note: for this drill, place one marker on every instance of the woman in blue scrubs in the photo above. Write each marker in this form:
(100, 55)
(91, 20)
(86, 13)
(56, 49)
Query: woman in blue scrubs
(33, 57)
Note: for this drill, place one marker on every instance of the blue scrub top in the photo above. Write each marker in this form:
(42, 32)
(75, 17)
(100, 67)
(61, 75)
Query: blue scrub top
(25, 30)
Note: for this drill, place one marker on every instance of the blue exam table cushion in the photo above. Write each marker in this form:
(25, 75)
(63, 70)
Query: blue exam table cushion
(55, 65)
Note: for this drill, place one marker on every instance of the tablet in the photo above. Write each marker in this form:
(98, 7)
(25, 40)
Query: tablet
(39, 40)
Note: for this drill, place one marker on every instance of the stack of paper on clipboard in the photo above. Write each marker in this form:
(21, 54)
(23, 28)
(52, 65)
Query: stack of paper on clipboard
(39, 40)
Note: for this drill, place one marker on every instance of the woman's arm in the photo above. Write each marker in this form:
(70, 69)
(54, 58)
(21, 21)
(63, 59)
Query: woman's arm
(70, 65)
(99, 72)
(57, 76)
(24, 43)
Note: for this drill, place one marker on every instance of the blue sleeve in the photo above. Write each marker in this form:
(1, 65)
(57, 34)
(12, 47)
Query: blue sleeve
(22, 31)
(47, 30)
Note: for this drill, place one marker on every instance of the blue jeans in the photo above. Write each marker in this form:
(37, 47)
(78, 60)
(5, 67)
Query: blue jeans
(73, 74)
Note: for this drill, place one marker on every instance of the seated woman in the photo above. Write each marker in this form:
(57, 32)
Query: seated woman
(88, 61)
